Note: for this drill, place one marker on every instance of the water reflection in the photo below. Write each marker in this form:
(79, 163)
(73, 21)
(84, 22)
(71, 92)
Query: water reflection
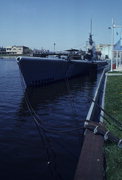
(63, 100)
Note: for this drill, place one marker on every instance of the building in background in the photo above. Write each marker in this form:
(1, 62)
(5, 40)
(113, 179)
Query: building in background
(117, 52)
(118, 49)
(106, 50)
(113, 53)
(18, 50)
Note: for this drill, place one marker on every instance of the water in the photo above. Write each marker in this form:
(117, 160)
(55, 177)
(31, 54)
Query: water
(50, 152)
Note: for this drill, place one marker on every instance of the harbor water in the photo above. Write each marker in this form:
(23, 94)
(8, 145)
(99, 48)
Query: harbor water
(48, 149)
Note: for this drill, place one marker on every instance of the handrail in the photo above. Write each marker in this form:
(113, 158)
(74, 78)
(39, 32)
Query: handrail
(93, 105)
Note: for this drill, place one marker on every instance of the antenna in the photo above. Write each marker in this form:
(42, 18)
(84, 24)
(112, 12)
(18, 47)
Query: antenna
(90, 35)
(91, 27)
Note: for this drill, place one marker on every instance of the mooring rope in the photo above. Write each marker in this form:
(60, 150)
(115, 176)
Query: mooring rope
(51, 162)
(99, 129)
(43, 135)
(110, 116)
(38, 121)
(68, 87)
(113, 124)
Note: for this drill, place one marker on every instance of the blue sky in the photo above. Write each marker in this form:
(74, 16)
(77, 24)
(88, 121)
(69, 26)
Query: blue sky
(40, 23)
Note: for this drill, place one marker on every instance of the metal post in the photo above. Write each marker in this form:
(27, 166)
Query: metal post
(112, 45)
(54, 46)
(117, 56)
(120, 58)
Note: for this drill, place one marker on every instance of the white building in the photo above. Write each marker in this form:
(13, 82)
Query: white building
(113, 53)
(117, 53)
(17, 50)
(106, 50)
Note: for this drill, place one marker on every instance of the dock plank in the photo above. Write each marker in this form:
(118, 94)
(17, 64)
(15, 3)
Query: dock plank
(91, 161)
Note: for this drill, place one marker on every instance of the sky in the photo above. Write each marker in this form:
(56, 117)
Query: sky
(41, 23)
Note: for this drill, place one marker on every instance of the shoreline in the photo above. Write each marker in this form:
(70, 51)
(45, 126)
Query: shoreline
(12, 56)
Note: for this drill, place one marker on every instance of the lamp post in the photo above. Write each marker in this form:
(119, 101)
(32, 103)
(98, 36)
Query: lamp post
(54, 46)
(112, 45)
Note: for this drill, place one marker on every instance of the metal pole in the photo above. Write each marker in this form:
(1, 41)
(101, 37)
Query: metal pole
(54, 46)
(112, 45)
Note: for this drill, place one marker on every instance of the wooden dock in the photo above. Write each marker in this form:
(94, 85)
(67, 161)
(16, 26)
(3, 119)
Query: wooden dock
(91, 161)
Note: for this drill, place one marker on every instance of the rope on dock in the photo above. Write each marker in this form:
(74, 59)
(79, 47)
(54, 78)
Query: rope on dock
(99, 129)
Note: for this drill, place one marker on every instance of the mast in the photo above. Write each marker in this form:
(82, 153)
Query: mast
(90, 35)
(91, 48)
(91, 27)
